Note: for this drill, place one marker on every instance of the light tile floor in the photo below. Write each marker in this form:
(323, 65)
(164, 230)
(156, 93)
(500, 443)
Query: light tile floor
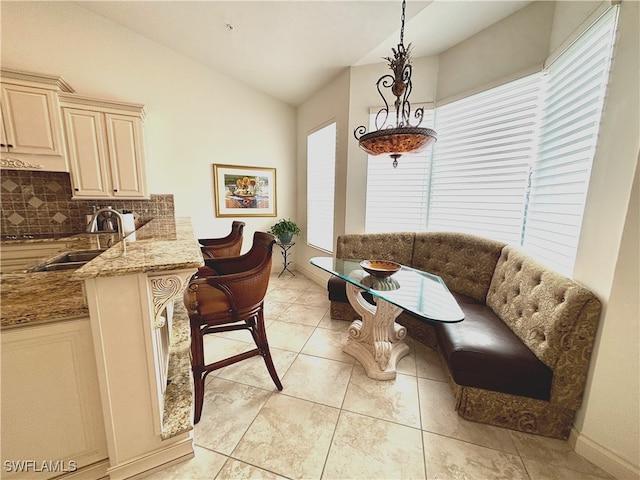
(333, 422)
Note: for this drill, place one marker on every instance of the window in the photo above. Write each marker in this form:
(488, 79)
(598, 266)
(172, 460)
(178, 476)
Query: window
(511, 163)
(575, 87)
(321, 170)
(398, 198)
(486, 144)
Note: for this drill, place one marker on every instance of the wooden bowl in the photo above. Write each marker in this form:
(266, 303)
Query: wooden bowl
(380, 268)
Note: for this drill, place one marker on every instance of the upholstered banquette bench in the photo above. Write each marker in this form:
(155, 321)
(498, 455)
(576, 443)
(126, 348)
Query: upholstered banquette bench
(520, 358)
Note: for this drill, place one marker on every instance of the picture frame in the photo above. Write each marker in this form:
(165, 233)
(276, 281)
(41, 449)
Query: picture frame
(242, 191)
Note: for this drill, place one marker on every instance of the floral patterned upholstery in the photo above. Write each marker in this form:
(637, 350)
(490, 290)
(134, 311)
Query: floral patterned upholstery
(397, 247)
(465, 262)
(554, 316)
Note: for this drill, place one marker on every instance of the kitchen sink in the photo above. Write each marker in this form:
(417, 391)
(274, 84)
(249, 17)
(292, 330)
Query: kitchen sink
(67, 261)
(79, 256)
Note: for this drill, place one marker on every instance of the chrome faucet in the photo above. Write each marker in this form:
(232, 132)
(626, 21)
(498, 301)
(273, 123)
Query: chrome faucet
(92, 225)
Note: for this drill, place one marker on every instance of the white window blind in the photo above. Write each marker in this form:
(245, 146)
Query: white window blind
(486, 144)
(398, 198)
(321, 168)
(575, 87)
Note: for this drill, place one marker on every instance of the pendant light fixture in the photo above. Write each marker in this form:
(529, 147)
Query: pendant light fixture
(404, 137)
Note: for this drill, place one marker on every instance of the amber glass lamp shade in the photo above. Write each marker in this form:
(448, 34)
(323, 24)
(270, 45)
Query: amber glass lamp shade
(397, 141)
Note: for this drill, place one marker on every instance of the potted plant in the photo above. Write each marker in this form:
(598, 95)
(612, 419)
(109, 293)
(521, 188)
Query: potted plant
(285, 230)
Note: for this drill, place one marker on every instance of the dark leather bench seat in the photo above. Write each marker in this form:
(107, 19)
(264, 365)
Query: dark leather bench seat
(483, 352)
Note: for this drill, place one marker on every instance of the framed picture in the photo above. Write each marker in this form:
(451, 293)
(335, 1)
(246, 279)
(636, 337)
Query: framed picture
(241, 191)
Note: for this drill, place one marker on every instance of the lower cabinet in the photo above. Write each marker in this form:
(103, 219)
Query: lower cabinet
(52, 420)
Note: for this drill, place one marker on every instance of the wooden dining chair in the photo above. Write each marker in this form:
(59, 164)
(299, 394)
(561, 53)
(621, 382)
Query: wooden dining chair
(230, 298)
(228, 246)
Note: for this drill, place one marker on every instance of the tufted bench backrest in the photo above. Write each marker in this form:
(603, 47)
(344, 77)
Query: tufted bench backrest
(465, 262)
(553, 315)
(397, 247)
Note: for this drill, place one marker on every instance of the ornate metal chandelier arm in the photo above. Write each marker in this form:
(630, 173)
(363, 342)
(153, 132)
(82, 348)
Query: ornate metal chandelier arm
(419, 115)
(408, 87)
(386, 81)
(359, 131)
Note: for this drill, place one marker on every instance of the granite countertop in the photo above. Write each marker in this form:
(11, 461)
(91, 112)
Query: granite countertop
(30, 298)
(158, 246)
(41, 297)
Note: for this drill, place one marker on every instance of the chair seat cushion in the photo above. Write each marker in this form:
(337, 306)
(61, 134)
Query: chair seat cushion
(483, 352)
(211, 301)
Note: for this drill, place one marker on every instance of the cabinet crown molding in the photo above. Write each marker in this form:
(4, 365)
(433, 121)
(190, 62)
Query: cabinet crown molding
(73, 100)
(38, 79)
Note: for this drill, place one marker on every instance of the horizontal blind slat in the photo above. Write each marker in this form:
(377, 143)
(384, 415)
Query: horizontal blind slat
(575, 88)
(481, 165)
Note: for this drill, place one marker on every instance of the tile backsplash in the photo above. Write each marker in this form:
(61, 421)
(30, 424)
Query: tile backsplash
(37, 203)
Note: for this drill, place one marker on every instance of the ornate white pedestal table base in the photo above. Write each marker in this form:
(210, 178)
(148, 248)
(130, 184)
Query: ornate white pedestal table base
(376, 341)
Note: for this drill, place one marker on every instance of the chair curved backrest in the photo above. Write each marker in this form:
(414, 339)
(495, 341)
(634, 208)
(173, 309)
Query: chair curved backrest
(261, 248)
(246, 286)
(243, 280)
(228, 246)
(228, 295)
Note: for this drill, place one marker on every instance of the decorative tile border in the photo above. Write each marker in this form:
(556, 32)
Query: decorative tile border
(37, 203)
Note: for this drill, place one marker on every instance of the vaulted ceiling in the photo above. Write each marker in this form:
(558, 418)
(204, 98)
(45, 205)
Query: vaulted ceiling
(290, 48)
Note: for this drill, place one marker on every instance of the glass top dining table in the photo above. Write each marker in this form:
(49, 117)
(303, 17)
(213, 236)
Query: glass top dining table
(413, 290)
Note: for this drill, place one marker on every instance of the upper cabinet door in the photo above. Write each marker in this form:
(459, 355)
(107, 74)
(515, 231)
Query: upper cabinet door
(105, 141)
(88, 157)
(31, 121)
(31, 134)
(126, 153)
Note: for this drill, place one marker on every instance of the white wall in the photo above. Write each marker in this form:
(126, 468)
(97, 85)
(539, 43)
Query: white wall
(330, 104)
(195, 115)
(514, 46)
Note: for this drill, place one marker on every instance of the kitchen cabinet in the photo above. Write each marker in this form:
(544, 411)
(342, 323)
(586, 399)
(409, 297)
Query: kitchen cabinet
(51, 406)
(31, 134)
(106, 147)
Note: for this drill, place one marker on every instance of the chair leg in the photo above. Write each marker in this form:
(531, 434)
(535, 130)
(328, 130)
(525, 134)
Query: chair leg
(198, 390)
(263, 345)
(197, 367)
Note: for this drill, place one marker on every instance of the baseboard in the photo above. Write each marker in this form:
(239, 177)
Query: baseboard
(95, 471)
(314, 274)
(603, 457)
(143, 466)
(159, 468)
